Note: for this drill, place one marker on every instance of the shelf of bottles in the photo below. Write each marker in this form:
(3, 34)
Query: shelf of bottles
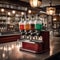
(3, 24)
(30, 28)
(8, 23)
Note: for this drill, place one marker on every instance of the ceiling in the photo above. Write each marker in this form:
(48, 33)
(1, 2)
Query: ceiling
(46, 2)
(25, 3)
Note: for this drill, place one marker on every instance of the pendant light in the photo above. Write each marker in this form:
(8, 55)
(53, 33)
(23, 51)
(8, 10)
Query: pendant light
(35, 3)
(50, 10)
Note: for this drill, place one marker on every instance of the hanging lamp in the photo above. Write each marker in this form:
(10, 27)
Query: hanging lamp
(35, 3)
(50, 10)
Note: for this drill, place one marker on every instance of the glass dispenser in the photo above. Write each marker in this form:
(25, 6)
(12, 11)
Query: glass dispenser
(21, 24)
(38, 23)
(27, 25)
(32, 23)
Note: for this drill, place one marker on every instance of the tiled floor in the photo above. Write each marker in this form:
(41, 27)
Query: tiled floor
(11, 51)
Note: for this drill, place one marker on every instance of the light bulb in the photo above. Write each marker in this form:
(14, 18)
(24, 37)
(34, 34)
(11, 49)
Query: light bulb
(22, 13)
(9, 13)
(13, 11)
(54, 19)
(51, 12)
(2, 10)
(3, 55)
(29, 11)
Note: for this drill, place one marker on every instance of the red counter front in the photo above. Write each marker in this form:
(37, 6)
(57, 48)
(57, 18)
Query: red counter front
(43, 46)
(32, 47)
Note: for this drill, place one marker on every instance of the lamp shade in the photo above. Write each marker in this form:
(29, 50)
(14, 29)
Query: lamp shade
(50, 10)
(35, 3)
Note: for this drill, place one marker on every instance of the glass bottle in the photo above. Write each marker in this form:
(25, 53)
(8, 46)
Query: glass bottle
(27, 25)
(38, 25)
(21, 24)
(32, 25)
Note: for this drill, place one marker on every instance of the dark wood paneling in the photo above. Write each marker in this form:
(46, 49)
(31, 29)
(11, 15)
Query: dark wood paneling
(11, 38)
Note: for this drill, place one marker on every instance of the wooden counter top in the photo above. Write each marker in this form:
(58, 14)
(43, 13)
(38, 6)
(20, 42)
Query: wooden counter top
(9, 34)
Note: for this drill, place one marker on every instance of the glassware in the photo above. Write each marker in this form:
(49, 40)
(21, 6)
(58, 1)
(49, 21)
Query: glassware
(27, 25)
(38, 24)
(32, 25)
(21, 24)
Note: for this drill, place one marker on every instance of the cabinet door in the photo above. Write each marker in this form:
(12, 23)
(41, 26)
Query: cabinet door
(34, 47)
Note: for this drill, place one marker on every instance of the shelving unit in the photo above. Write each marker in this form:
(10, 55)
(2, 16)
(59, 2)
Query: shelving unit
(3, 24)
(8, 23)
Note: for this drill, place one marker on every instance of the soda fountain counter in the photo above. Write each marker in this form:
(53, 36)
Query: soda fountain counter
(34, 38)
(35, 45)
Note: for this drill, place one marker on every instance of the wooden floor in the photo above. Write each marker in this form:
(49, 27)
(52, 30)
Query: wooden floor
(11, 51)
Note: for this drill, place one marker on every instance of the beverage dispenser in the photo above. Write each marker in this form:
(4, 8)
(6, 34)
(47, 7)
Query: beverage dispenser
(38, 24)
(32, 25)
(21, 24)
(27, 25)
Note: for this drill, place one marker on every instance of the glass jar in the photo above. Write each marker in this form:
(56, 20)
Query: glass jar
(21, 24)
(32, 25)
(26, 24)
(38, 24)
